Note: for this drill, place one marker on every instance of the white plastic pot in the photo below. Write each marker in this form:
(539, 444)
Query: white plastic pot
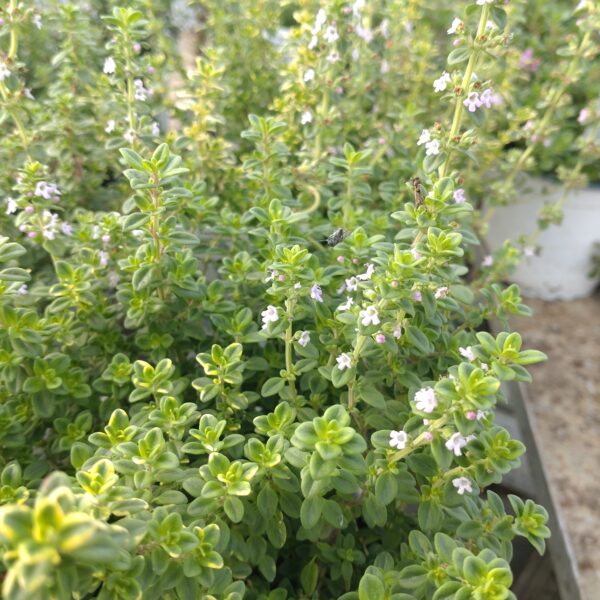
(561, 271)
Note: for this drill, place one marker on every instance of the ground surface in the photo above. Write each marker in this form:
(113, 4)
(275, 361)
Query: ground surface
(565, 398)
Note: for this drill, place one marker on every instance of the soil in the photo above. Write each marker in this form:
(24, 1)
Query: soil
(565, 398)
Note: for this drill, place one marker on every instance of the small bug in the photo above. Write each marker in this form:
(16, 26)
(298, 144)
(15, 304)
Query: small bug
(418, 190)
(337, 236)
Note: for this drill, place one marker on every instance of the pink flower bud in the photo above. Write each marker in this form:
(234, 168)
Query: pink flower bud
(394, 283)
(151, 70)
(355, 261)
(106, 238)
(31, 234)
(137, 48)
(471, 415)
(380, 338)
(428, 436)
(281, 278)
(29, 209)
(341, 259)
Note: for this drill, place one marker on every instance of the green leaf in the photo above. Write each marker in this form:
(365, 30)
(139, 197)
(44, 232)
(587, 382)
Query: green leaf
(418, 339)
(309, 577)
(234, 508)
(459, 55)
(267, 501)
(370, 588)
(310, 512)
(272, 386)
(413, 576)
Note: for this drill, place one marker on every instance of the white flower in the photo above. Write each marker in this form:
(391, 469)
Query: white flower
(398, 439)
(529, 251)
(462, 484)
(456, 443)
(129, 136)
(155, 129)
(472, 102)
(103, 255)
(425, 400)
(270, 315)
(344, 361)
(109, 65)
(467, 353)
(352, 284)
(28, 94)
(110, 126)
(364, 33)
(488, 261)
(331, 35)
(397, 332)
(357, 7)
(320, 20)
(487, 98)
(4, 71)
(304, 339)
(316, 293)
(432, 148)
(306, 117)
(385, 28)
(22, 290)
(50, 226)
(368, 273)
(11, 206)
(441, 292)
(355, 54)
(314, 40)
(459, 196)
(48, 191)
(440, 84)
(66, 228)
(309, 75)
(346, 306)
(425, 137)
(456, 24)
(482, 2)
(333, 57)
(369, 316)
(140, 93)
(385, 67)
(37, 21)
(272, 276)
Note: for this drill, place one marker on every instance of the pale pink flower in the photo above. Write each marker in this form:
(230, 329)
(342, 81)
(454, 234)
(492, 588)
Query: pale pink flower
(472, 102)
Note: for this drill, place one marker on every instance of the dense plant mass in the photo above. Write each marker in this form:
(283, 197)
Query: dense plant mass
(244, 345)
